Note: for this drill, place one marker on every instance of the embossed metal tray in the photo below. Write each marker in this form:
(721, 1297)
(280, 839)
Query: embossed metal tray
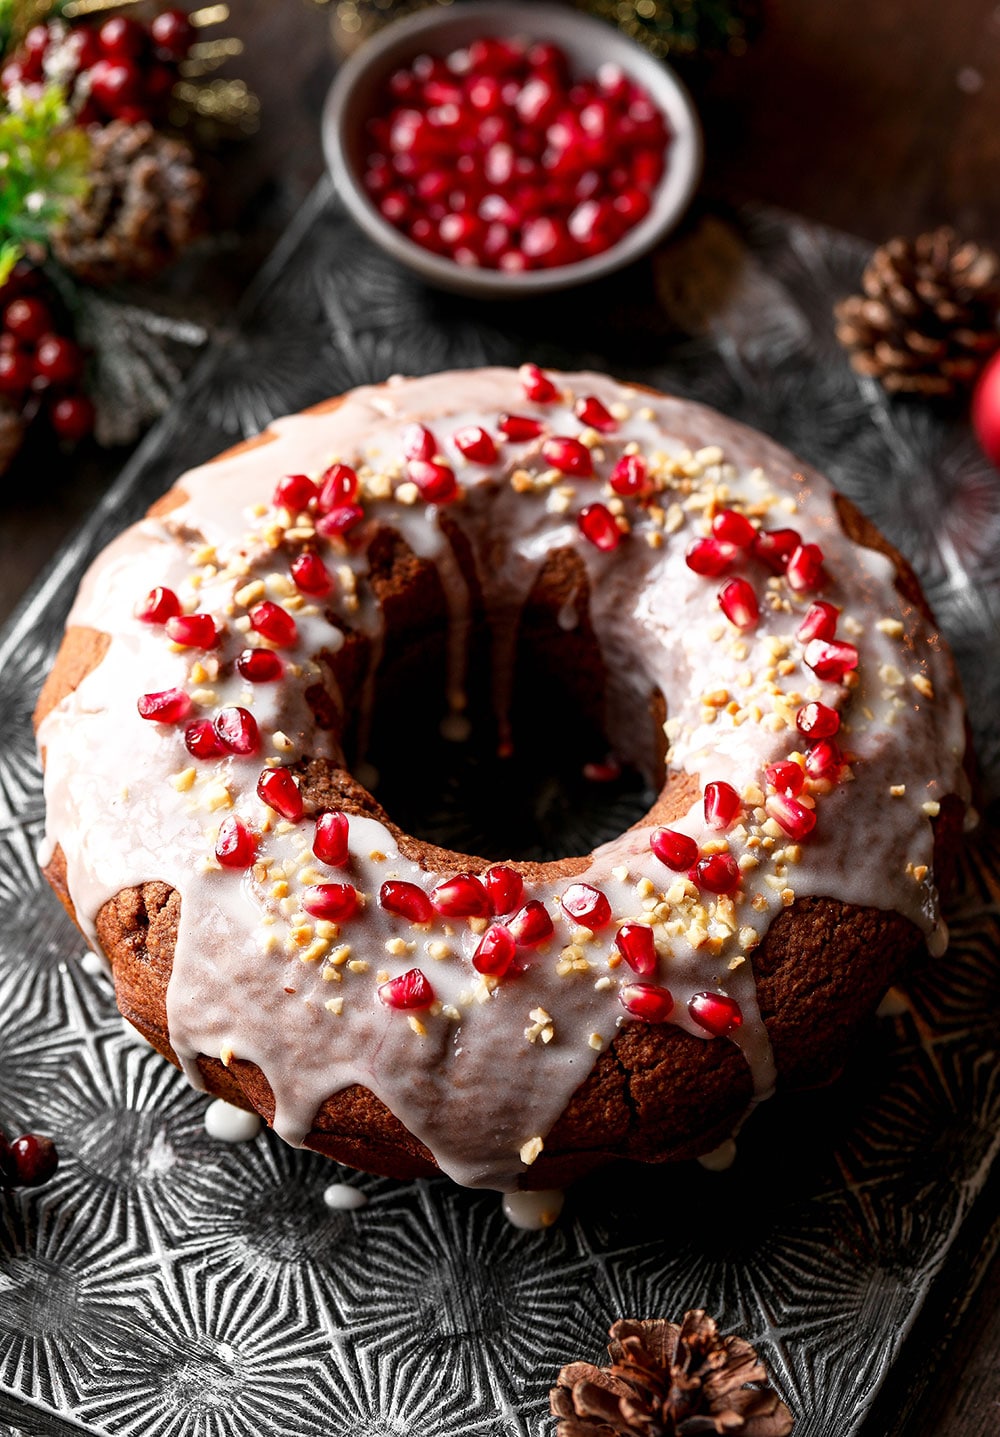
(164, 1284)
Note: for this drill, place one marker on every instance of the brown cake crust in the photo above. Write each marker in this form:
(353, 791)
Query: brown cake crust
(656, 1093)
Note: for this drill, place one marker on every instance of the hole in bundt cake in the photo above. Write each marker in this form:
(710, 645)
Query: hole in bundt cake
(558, 793)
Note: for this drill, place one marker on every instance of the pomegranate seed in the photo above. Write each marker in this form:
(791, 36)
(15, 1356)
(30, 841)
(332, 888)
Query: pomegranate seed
(635, 943)
(647, 1001)
(519, 428)
(194, 631)
(820, 622)
(418, 442)
(30, 1161)
(716, 1013)
(338, 486)
(785, 777)
(462, 897)
(339, 521)
(677, 850)
(406, 900)
(158, 606)
(825, 760)
(718, 872)
(505, 887)
(476, 445)
(630, 476)
(531, 924)
(495, 952)
(295, 493)
(412, 990)
(237, 730)
(330, 841)
(569, 456)
(275, 624)
(537, 386)
(793, 816)
(738, 602)
(732, 527)
(168, 706)
(587, 906)
(607, 772)
(259, 666)
(311, 575)
(805, 568)
(277, 788)
(722, 804)
(709, 557)
(817, 720)
(236, 845)
(436, 482)
(775, 547)
(597, 523)
(336, 902)
(592, 412)
(201, 740)
(830, 660)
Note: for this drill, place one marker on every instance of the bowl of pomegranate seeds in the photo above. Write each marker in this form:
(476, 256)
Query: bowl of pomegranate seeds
(510, 149)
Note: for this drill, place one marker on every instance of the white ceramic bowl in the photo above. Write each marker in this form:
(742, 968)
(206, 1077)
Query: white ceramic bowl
(357, 92)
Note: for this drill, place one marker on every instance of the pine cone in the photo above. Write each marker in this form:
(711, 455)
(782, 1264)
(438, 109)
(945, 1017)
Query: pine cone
(928, 317)
(669, 1381)
(143, 207)
(11, 433)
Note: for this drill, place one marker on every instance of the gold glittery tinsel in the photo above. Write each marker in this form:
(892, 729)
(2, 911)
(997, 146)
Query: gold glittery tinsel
(681, 29)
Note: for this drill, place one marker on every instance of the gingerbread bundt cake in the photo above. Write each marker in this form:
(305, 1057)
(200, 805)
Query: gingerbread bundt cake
(738, 632)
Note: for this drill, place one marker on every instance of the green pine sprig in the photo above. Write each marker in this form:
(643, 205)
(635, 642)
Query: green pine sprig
(44, 162)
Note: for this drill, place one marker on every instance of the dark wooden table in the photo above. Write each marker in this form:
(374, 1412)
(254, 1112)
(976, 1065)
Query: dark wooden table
(876, 116)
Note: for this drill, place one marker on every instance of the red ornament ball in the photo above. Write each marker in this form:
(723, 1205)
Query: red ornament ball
(986, 410)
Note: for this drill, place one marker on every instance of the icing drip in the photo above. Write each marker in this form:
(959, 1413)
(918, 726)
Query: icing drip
(533, 1211)
(228, 1124)
(257, 977)
(341, 1197)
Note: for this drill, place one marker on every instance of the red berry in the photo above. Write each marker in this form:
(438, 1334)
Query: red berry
(636, 944)
(277, 788)
(338, 486)
(236, 845)
(27, 319)
(677, 850)
(311, 575)
(648, 1001)
(33, 1160)
(537, 386)
(71, 417)
(167, 706)
(158, 606)
(569, 456)
(16, 372)
(505, 887)
(406, 900)
(114, 84)
(237, 730)
(259, 666)
(531, 924)
(476, 445)
(201, 740)
(57, 360)
(587, 906)
(193, 631)
(495, 952)
(412, 990)
(717, 872)
(597, 523)
(330, 840)
(461, 897)
(294, 492)
(336, 902)
(121, 36)
(520, 428)
(172, 33)
(716, 1013)
(275, 624)
(722, 804)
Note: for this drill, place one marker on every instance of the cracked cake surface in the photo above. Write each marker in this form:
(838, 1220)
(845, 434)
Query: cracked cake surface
(739, 633)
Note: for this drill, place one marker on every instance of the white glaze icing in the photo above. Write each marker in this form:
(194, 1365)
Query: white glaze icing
(533, 1211)
(720, 1159)
(229, 1124)
(342, 1197)
(242, 985)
